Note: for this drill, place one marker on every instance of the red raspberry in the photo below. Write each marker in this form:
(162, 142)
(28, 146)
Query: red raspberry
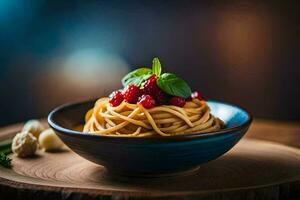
(116, 98)
(147, 101)
(177, 101)
(150, 85)
(197, 95)
(152, 89)
(161, 97)
(132, 93)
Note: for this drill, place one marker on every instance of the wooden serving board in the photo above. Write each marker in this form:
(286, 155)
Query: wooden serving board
(254, 169)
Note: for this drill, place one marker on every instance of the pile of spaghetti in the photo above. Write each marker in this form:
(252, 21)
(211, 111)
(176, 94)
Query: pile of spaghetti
(134, 120)
(151, 103)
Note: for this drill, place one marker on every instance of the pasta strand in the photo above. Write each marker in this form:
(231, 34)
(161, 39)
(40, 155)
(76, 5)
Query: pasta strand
(132, 120)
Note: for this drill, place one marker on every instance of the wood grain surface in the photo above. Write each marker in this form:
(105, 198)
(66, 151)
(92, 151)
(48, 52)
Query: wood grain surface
(264, 165)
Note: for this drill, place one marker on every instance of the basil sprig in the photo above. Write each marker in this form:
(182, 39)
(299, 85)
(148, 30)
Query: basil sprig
(137, 76)
(156, 67)
(173, 85)
(168, 82)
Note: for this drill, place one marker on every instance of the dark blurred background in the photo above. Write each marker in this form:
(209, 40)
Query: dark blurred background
(244, 52)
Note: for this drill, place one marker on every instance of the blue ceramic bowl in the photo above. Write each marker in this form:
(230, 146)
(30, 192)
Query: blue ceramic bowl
(152, 156)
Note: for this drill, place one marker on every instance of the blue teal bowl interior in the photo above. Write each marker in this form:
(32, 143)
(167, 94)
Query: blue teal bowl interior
(151, 156)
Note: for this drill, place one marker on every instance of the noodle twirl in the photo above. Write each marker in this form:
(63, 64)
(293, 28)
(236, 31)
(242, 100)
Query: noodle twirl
(151, 104)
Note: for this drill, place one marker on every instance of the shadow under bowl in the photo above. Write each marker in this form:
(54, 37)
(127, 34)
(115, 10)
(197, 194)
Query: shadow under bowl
(150, 156)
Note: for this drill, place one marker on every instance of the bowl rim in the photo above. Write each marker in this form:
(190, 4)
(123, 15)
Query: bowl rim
(71, 132)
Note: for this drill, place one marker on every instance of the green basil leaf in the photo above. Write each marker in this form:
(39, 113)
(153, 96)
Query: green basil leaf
(143, 78)
(133, 80)
(173, 85)
(136, 77)
(156, 67)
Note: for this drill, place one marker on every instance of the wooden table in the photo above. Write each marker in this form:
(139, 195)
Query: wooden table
(263, 165)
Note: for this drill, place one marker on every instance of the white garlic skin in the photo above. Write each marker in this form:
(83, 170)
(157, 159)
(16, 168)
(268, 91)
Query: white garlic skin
(50, 141)
(24, 144)
(35, 127)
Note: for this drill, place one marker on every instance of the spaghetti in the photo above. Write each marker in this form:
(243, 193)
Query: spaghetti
(133, 120)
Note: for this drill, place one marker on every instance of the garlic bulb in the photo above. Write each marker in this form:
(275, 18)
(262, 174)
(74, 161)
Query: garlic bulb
(50, 141)
(24, 144)
(34, 126)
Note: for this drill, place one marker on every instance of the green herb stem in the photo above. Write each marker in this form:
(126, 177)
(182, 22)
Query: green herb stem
(5, 149)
